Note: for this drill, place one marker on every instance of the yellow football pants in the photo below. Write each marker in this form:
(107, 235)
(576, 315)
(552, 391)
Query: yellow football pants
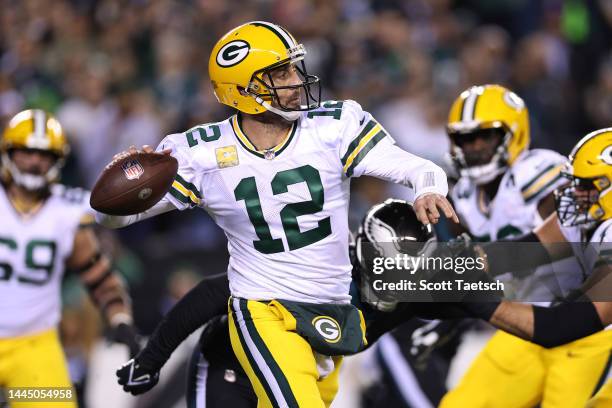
(511, 372)
(280, 364)
(603, 398)
(34, 361)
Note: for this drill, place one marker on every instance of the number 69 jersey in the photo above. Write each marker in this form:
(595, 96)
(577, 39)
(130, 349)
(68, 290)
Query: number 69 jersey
(284, 210)
(33, 252)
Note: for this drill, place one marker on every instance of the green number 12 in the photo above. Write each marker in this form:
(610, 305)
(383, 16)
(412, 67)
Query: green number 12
(247, 190)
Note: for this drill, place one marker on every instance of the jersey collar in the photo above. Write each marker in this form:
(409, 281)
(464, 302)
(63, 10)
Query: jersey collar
(268, 154)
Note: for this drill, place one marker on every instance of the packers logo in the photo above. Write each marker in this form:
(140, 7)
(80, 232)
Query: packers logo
(232, 53)
(513, 100)
(606, 155)
(328, 328)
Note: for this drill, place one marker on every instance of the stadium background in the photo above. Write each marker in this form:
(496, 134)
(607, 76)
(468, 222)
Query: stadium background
(118, 73)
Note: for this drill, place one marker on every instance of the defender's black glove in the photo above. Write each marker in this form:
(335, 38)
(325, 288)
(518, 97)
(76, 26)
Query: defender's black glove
(135, 378)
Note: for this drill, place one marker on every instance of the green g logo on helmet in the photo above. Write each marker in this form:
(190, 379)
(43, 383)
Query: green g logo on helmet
(232, 53)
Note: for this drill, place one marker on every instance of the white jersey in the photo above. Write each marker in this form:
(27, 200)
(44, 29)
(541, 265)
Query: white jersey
(284, 210)
(513, 212)
(514, 209)
(591, 250)
(33, 253)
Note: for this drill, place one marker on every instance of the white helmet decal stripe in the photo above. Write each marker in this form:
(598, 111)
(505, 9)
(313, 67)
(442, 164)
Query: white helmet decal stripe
(40, 124)
(286, 38)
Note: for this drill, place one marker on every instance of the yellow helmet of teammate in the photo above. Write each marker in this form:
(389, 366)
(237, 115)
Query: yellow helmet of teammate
(240, 64)
(488, 111)
(33, 129)
(587, 200)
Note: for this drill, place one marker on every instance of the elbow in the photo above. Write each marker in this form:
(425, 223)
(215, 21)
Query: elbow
(110, 221)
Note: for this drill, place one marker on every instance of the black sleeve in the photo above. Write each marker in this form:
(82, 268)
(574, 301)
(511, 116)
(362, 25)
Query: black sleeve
(566, 322)
(205, 301)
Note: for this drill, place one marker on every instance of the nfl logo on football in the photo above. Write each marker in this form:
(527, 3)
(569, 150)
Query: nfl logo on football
(132, 169)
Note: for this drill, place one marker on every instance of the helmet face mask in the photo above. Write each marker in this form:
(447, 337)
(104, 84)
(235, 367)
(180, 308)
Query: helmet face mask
(577, 203)
(586, 200)
(485, 163)
(309, 89)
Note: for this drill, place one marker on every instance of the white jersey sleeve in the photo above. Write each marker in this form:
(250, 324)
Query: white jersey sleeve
(367, 149)
(538, 174)
(185, 190)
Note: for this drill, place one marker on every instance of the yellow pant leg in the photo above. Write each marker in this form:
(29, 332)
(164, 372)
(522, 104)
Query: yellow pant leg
(280, 364)
(575, 370)
(603, 398)
(328, 386)
(34, 361)
(508, 372)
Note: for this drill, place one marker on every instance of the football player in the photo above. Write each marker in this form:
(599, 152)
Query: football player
(216, 378)
(584, 216)
(275, 177)
(505, 189)
(45, 228)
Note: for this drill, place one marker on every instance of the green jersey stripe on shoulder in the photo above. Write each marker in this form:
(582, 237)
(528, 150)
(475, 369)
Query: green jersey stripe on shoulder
(353, 145)
(364, 151)
(546, 187)
(536, 177)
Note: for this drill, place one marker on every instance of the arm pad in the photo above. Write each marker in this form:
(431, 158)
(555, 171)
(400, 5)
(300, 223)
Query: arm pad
(557, 325)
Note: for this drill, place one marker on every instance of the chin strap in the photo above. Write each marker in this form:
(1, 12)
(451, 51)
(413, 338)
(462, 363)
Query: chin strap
(291, 116)
(31, 182)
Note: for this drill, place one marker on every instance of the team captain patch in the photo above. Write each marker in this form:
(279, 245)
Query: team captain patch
(227, 156)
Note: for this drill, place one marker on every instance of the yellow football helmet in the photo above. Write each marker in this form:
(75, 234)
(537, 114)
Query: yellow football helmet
(587, 200)
(240, 63)
(37, 130)
(488, 109)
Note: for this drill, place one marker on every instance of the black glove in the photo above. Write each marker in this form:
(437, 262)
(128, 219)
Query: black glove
(135, 378)
(435, 333)
(126, 334)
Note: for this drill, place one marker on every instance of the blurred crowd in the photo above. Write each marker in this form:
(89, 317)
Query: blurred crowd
(123, 72)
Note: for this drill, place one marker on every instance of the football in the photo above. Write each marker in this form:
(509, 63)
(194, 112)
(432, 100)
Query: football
(133, 183)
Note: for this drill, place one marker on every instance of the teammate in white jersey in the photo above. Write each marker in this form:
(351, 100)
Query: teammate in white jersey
(45, 228)
(584, 210)
(275, 177)
(507, 190)
(504, 188)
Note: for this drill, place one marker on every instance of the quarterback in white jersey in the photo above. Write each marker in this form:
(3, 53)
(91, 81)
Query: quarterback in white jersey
(287, 208)
(45, 228)
(275, 177)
